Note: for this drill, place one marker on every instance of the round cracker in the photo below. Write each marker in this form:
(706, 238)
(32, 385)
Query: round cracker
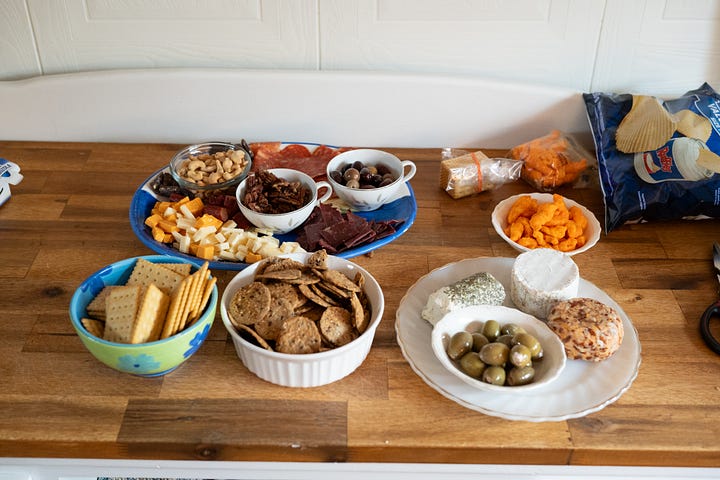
(270, 325)
(298, 335)
(336, 326)
(249, 304)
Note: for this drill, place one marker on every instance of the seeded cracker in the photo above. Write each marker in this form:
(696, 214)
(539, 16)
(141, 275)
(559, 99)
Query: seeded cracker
(270, 325)
(340, 279)
(336, 326)
(298, 335)
(286, 290)
(318, 260)
(359, 317)
(249, 304)
(313, 297)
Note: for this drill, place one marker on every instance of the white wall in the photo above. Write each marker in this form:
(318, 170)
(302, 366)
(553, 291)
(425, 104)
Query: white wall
(661, 47)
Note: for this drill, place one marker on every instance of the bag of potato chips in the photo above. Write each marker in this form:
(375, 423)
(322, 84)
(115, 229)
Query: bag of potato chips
(658, 160)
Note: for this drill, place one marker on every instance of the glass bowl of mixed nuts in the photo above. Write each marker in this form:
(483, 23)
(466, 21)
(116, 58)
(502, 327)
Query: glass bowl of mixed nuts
(210, 166)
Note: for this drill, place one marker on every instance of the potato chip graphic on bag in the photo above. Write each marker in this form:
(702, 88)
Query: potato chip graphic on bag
(647, 126)
(692, 125)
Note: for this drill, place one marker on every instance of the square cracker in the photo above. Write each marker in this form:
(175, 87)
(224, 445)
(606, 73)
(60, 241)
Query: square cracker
(144, 273)
(93, 326)
(151, 315)
(96, 307)
(122, 306)
(181, 268)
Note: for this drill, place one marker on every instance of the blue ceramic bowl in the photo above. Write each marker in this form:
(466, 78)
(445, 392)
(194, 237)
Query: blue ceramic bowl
(145, 359)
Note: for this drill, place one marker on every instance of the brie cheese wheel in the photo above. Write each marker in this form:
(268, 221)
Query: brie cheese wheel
(477, 289)
(540, 278)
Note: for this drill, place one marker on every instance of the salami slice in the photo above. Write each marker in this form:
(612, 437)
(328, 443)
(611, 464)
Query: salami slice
(268, 155)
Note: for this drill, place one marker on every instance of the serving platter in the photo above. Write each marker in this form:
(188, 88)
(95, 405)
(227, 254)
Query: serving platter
(402, 208)
(582, 388)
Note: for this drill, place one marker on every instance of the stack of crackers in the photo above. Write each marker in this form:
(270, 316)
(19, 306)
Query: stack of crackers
(294, 307)
(157, 301)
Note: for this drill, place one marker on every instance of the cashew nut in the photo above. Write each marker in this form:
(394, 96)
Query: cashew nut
(209, 169)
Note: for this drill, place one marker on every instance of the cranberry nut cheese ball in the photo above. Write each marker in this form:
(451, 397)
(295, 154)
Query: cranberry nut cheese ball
(589, 329)
(540, 278)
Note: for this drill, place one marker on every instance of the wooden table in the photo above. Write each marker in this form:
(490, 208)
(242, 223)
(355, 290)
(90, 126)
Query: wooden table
(69, 217)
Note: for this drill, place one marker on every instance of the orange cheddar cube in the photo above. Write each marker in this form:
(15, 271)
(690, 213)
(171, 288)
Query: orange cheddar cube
(205, 252)
(207, 220)
(195, 206)
(167, 226)
(252, 257)
(153, 220)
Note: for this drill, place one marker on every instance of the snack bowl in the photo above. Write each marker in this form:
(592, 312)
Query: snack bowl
(284, 222)
(471, 319)
(196, 153)
(500, 214)
(149, 359)
(310, 369)
(367, 199)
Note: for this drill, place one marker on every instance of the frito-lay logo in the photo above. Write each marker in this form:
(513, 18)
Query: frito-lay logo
(666, 160)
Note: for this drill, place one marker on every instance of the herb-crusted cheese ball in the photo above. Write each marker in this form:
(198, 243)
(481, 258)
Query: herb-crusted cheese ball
(540, 278)
(477, 289)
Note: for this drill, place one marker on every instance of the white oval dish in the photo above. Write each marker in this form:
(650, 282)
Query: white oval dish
(500, 213)
(471, 319)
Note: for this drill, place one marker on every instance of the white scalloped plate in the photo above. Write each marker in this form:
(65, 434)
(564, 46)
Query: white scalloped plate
(583, 387)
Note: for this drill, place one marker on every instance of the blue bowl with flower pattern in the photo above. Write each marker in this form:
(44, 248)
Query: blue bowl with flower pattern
(149, 359)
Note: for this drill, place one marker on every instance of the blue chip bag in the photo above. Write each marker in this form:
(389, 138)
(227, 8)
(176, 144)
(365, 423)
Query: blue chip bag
(681, 179)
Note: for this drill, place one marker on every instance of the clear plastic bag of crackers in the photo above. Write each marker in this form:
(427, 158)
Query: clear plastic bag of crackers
(465, 173)
(552, 161)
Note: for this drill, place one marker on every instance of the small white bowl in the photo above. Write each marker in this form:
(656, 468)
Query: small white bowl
(500, 213)
(471, 319)
(361, 199)
(312, 369)
(285, 222)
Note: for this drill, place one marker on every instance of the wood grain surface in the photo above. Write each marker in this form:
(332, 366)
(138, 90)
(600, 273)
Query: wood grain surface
(69, 217)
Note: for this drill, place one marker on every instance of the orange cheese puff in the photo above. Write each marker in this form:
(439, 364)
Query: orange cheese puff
(576, 215)
(523, 206)
(543, 215)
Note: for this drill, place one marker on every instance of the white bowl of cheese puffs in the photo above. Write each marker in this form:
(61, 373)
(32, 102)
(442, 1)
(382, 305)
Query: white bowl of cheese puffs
(546, 220)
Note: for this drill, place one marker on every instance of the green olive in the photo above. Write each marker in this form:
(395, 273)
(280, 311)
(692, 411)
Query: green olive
(494, 375)
(471, 364)
(491, 330)
(520, 376)
(530, 342)
(495, 354)
(478, 341)
(520, 355)
(460, 344)
(506, 339)
(511, 329)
